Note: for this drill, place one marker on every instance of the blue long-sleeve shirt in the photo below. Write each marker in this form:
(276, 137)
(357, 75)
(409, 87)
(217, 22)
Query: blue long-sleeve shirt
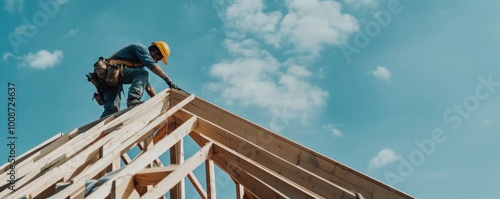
(136, 53)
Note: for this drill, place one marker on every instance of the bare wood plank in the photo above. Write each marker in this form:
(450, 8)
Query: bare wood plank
(91, 159)
(96, 168)
(115, 165)
(48, 146)
(254, 185)
(137, 131)
(197, 185)
(278, 145)
(151, 176)
(249, 195)
(157, 161)
(148, 144)
(240, 191)
(141, 161)
(124, 146)
(72, 147)
(22, 167)
(293, 173)
(126, 159)
(242, 163)
(160, 134)
(125, 190)
(176, 176)
(136, 136)
(27, 159)
(210, 173)
(177, 157)
(19, 159)
(279, 183)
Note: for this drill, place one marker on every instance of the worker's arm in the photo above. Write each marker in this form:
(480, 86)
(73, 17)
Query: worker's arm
(158, 71)
(143, 54)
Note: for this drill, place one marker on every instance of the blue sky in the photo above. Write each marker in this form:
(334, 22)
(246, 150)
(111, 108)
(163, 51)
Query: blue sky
(404, 91)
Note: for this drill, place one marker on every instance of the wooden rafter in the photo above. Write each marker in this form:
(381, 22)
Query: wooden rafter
(261, 163)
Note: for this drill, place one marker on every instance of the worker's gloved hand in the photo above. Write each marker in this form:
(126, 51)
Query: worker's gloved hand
(170, 83)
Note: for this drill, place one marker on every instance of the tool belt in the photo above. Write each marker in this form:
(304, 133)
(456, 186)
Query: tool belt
(109, 71)
(98, 96)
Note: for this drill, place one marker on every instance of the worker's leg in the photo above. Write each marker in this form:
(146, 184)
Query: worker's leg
(111, 100)
(138, 78)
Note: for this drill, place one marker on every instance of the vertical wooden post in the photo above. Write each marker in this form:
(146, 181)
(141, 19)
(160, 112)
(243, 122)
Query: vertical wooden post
(176, 157)
(209, 166)
(240, 191)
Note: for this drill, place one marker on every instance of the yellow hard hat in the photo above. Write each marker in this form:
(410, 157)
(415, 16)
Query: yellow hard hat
(164, 49)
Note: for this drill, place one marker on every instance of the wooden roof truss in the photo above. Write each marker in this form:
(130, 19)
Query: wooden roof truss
(262, 164)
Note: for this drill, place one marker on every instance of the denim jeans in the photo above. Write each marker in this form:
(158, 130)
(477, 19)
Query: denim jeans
(137, 77)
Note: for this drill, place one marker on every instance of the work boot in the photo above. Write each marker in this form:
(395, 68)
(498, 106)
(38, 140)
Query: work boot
(133, 102)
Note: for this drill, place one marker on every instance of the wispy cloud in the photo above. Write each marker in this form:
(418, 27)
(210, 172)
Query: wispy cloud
(382, 73)
(334, 131)
(42, 59)
(307, 25)
(14, 6)
(384, 157)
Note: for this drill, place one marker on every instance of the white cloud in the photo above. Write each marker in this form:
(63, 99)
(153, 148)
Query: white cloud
(256, 78)
(296, 34)
(43, 59)
(384, 157)
(334, 131)
(308, 25)
(14, 5)
(361, 3)
(382, 73)
(248, 17)
(73, 32)
(311, 24)
(6, 56)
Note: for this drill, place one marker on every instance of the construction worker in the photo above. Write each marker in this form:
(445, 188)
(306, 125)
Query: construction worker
(136, 56)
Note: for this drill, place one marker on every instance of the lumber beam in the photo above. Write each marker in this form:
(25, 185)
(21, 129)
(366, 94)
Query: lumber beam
(242, 164)
(240, 191)
(251, 183)
(140, 162)
(210, 177)
(197, 185)
(176, 176)
(5, 167)
(151, 176)
(125, 140)
(125, 190)
(176, 157)
(75, 151)
(291, 172)
(29, 158)
(288, 150)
